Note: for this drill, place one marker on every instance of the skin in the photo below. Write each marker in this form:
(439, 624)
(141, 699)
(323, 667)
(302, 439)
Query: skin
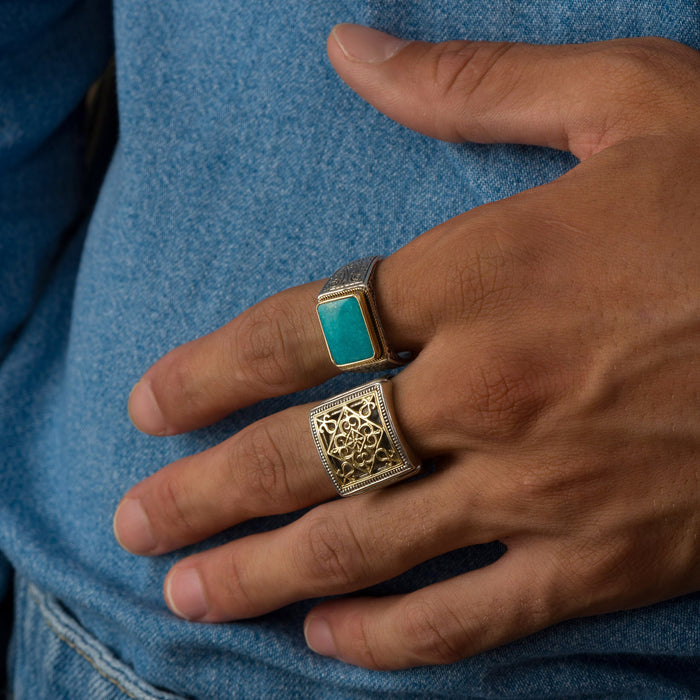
(556, 381)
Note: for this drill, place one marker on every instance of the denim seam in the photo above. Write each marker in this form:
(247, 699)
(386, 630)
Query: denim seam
(108, 666)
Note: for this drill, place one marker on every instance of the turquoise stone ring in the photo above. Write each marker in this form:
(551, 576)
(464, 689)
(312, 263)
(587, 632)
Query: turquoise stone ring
(349, 320)
(345, 329)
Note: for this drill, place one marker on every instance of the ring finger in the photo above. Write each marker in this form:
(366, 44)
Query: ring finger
(273, 348)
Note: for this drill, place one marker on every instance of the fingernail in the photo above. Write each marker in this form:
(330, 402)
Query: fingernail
(185, 594)
(319, 637)
(132, 528)
(366, 45)
(144, 410)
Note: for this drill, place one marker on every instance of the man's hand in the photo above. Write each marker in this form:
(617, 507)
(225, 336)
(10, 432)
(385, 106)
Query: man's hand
(556, 379)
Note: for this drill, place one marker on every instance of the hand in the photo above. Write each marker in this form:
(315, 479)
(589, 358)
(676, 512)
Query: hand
(556, 378)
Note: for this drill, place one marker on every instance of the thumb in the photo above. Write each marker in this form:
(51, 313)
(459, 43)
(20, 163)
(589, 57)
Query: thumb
(569, 97)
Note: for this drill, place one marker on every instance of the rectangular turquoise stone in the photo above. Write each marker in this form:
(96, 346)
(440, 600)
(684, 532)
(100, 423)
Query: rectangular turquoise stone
(345, 330)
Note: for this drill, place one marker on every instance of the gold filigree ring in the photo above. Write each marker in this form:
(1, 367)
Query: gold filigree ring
(358, 442)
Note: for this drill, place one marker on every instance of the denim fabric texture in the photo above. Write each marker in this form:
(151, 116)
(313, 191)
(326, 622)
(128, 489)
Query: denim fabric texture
(48, 638)
(244, 166)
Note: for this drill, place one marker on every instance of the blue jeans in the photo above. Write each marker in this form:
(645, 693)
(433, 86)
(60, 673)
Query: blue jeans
(243, 166)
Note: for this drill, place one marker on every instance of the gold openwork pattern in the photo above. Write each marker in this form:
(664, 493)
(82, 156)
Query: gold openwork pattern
(355, 440)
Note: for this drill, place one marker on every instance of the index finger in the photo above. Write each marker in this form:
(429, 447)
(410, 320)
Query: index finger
(273, 348)
(277, 347)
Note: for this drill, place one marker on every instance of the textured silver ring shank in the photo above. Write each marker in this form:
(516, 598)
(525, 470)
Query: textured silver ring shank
(357, 273)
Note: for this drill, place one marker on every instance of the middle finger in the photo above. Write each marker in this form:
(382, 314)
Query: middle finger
(269, 467)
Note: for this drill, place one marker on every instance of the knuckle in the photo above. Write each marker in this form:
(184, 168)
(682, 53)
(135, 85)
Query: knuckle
(460, 69)
(649, 72)
(505, 398)
(259, 352)
(330, 555)
(648, 59)
(617, 570)
(176, 379)
(433, 634)
(543, 596)
(484, 282)
(236, 589)
(172, 513)
(258, 465)
(544, 489)
(641, 85)
(365, 650)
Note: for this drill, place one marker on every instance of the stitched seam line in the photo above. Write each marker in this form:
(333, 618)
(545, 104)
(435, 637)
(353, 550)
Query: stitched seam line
(112, 670)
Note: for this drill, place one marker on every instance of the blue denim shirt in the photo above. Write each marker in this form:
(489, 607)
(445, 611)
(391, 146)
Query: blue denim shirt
(244, 166)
